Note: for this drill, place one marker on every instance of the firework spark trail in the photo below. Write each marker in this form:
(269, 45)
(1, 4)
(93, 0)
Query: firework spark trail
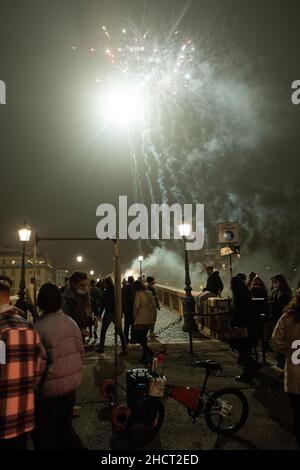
(147, 175)
(147, 165)
(174, 189)
(135, 179)
(160, 172)
(138, 188)
(180, 18)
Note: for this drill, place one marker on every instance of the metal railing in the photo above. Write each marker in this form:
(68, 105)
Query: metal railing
(215, 320)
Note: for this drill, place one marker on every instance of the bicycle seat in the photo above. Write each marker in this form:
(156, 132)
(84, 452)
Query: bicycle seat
(209, 365)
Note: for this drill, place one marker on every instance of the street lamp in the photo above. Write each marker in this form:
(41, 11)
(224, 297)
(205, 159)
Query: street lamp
(79, 259)
(92, 272)
(24, 237)
(140, 258)
(188, 301)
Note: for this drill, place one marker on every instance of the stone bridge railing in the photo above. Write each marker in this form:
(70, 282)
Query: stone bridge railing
(215, 320)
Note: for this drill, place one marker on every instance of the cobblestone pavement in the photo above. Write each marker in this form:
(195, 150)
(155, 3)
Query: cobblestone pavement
(174, 334)
(269, 426)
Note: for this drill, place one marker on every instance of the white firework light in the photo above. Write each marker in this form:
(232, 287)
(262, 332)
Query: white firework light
(145, 73)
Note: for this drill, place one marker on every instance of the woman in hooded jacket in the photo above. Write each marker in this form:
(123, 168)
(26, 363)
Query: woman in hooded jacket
(286, 340)
(144, 313)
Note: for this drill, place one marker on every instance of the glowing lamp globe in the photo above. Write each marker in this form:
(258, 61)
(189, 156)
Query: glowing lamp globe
(184, 230)
(24, 233)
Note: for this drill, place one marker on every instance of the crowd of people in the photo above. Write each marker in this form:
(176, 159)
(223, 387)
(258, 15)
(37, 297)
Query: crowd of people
(273, 316)
(44, 359)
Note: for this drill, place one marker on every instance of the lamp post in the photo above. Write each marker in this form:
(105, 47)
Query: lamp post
(79, 259)
(141, 265)
(24, 237)
(188, 301)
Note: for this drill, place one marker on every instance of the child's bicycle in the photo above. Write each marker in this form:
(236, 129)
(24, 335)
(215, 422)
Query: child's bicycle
(225, 410)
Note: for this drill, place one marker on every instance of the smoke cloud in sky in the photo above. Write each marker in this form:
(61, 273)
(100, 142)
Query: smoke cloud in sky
(167, 267)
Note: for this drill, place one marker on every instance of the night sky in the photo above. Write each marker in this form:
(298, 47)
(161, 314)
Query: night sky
(232, 144)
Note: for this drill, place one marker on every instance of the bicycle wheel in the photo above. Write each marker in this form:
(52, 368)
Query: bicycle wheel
(226, 411)
(145, 421)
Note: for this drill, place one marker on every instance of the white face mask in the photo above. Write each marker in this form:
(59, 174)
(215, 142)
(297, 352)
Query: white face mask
(81, 292)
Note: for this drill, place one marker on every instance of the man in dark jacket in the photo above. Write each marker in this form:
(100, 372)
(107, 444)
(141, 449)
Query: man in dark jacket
(214, 283)
(150, 285)
(77, 301)
(108, 306)
(128, 302)
(214, 287)
(243, 326)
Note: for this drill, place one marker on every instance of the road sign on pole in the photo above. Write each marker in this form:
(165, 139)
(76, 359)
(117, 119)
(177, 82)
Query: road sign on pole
(228, 233)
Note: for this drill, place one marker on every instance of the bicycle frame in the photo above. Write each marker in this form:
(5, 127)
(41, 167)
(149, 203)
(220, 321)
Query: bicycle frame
(189, 397)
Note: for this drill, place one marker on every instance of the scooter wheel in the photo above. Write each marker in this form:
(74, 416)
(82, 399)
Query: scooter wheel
(107, 387)
(119, 417)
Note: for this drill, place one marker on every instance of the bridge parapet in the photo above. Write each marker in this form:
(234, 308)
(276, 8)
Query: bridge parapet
(215, 319)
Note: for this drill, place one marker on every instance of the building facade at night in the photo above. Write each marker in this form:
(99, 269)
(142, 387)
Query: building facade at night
(11, 263)
(60, 275)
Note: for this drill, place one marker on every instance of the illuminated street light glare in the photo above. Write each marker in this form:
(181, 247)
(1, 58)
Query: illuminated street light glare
(184, 230)
(141, 258)
(92, 273)
(24, 233)
(79, 259)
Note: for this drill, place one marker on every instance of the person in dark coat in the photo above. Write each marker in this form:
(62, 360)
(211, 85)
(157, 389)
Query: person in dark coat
(214, 283)
(259, 294)
(242, 277)
(108, 306)
(280, 297)
(151, 287)
(213, 288)
(128, 302)
(251, 278)
(242, 318)
(258, 288)
(77, 301)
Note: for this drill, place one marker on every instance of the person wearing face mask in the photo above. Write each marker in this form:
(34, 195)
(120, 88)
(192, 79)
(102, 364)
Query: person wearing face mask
(77, 301)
